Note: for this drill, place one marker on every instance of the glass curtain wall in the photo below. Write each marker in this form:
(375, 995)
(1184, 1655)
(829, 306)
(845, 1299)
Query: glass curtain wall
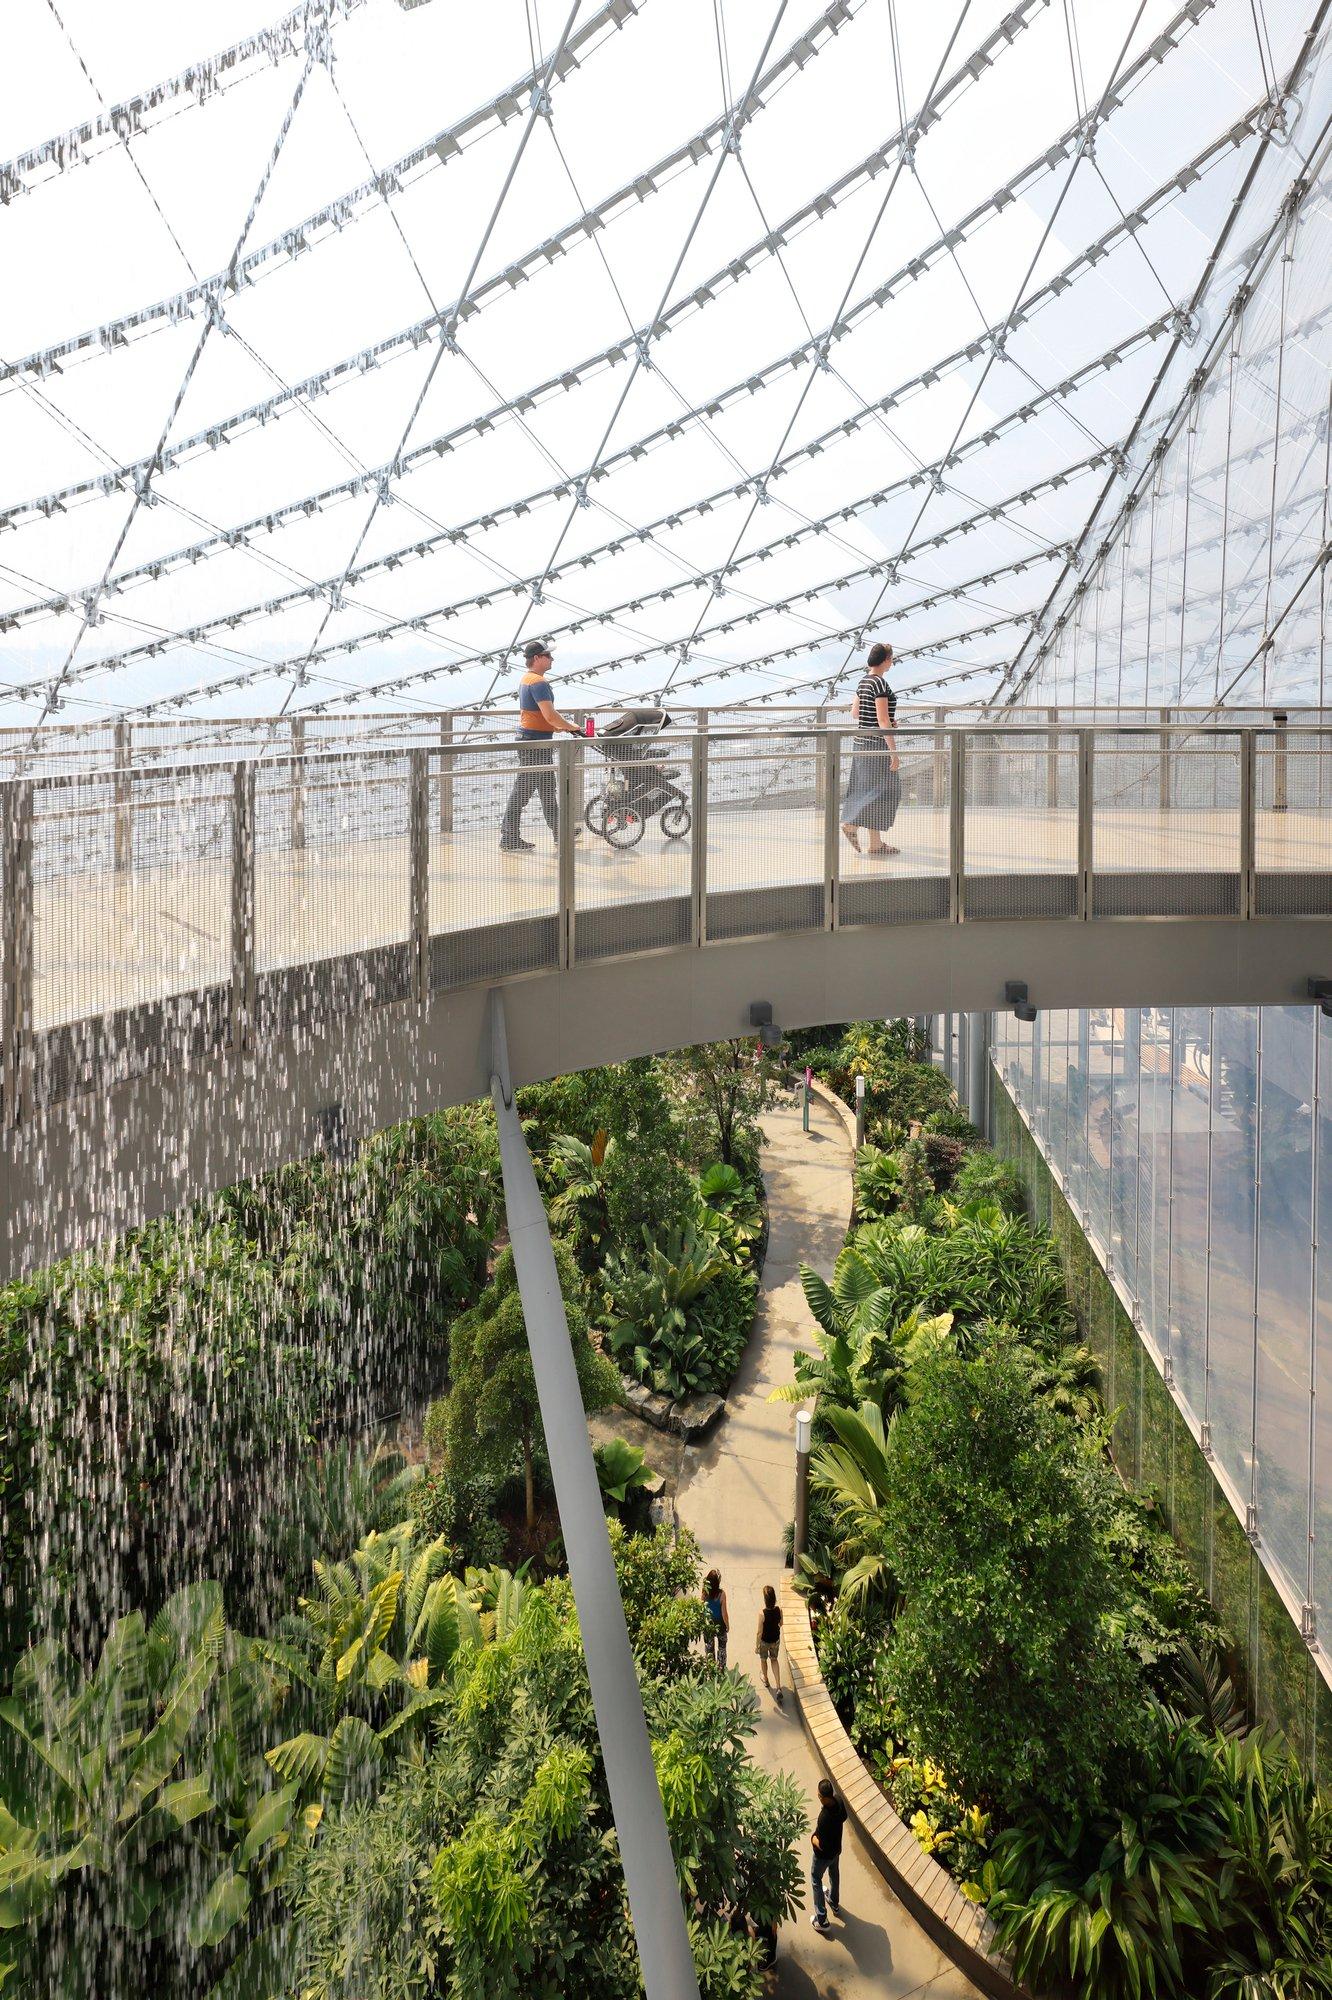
(1183, 1158)
(1207, 584)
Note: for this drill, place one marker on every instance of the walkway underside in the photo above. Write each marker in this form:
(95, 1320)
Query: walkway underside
(335, 1062)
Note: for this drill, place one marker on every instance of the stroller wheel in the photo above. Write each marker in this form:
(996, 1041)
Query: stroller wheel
(623, 826)
(594, 814)
(676, 820)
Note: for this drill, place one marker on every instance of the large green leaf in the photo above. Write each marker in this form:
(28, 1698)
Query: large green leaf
(222, 1909)
(300, 1759)
(353, 1751)
(269, 1821)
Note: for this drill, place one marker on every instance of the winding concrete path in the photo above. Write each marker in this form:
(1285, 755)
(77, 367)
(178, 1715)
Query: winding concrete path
(736, 1494)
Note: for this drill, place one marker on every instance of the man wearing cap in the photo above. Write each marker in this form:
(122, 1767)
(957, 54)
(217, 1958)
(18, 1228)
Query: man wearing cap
(538, 721)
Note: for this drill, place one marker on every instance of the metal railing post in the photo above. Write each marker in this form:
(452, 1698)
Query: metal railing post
(1086, 820)
(124, 754)
(242, 904)
(939, 763)
(1165, 783)
(698, 853)
(1247, 818)
(957, 781)
(829, 748)
(564, 791)
(820, 768)
(297, 781)
(1280, 765)
(17, 946)
(446, 774)
(418, 838)
(1051, 759)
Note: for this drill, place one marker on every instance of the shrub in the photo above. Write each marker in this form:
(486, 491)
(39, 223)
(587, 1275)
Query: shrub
(723, 1316)
(492, 1412)
(663, 1610)
(985, 1177)
(1002, 1658)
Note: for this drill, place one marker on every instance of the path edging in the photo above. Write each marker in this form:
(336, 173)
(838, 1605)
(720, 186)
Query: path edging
(958, 1926)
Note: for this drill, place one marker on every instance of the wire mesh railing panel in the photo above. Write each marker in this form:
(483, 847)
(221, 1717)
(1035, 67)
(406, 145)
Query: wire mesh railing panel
(633, 861)
(765, 835)
(1292, 845)
(128, 907)
(331, 873)
(1166, 825)
(1020, 819)
(494, 903)
(898, 803)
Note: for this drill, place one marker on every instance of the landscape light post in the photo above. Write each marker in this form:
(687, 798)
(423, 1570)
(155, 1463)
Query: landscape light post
(804, 1425)
(860, 1112)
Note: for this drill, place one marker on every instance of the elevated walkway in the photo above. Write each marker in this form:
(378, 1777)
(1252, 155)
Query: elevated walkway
(211, 968)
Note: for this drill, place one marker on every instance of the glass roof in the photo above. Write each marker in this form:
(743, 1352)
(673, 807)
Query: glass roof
(702, 338)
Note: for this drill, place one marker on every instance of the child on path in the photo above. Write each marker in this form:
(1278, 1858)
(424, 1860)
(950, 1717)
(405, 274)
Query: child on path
(769, 1646)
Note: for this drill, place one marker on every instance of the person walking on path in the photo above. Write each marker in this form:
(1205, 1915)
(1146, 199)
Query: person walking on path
(874, 788)
(717, 1618)
(538, 721)
(827, 1855)
(769, 1646)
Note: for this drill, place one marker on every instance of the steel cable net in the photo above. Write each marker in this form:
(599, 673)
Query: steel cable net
(707, 341)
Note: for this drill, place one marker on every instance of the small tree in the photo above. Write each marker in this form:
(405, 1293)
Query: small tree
(1003, 1658)
(492, 1408)
(722, 1089)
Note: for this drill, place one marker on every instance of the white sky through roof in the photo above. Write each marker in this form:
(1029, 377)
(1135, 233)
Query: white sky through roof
(348, 511)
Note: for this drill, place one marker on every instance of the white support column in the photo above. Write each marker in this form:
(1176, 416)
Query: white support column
(649, 1866)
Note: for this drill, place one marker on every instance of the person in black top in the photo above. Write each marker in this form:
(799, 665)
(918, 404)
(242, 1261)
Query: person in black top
(827, 1855)
(769, 1646)
(874, 789)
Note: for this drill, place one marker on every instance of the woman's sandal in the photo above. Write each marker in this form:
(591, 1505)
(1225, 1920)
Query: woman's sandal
(849, 836)
(880, 853)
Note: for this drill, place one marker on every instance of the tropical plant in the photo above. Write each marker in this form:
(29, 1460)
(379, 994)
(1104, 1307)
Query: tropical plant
(728, 1211)
(1003, 1657)
(721, 1089)
(622, 1470)
(854, 1473)
(865, 1354)
(583, 1169)
(915, 1187)
(878, 1178)
(646, 1307)
(343, 1493)
(493, 1413)
(143, 1776)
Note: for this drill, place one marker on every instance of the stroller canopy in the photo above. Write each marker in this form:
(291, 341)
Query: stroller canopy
(636, 721)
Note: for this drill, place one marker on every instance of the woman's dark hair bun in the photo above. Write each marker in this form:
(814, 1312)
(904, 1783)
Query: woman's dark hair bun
(879, 656)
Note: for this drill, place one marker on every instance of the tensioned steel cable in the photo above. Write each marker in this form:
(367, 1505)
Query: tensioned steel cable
(331, 219)
(196, 85)
(1044, 631)
(316, 50)
(1165, 44)
(996, 347)
(801, 400)
(402, 341)
(735, 124)
(445, 341)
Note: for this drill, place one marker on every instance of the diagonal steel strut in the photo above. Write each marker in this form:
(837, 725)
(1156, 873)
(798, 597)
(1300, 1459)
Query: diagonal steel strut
(649, 1866)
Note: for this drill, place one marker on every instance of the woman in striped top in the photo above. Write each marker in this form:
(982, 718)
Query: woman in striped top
(874, 789)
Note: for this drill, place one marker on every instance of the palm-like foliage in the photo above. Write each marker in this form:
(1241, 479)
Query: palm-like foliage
(123, 1772)
(584, 1172)
(1069, 1380)
(855, 1476)
(866, 1352)
(646, 1303)
(727, 1211)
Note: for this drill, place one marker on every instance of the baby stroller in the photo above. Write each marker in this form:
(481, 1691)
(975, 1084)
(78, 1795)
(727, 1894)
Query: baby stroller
(639, 787)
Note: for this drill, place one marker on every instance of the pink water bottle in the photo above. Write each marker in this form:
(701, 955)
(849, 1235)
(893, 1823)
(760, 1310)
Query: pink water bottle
(590, 726)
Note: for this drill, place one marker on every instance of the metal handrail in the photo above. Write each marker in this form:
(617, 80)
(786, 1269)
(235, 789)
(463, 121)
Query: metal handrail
(953, 776)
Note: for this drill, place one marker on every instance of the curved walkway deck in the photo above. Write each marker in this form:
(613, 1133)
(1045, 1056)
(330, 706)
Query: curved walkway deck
(736, 1493)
